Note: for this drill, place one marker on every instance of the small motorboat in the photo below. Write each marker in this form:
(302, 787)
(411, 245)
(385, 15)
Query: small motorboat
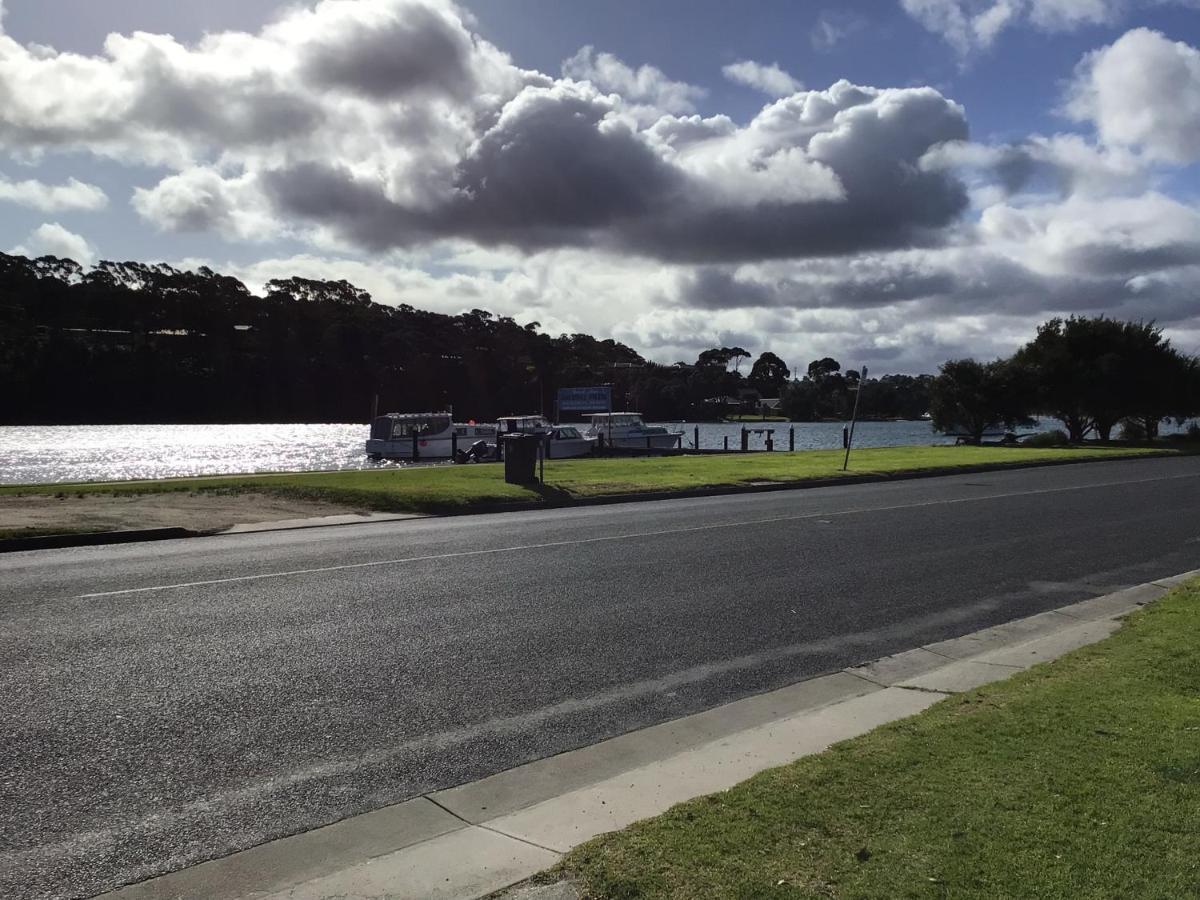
(627, 430)
(562, 441)
(417, 436)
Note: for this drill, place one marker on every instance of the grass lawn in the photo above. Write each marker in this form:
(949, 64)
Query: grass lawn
(1078, 779)
(449, 488)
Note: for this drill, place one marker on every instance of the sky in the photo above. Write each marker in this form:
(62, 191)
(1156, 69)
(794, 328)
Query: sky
(892, 183)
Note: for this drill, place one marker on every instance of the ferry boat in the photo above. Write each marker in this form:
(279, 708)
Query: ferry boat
(433, 435)
(563, 441)
(627, 430)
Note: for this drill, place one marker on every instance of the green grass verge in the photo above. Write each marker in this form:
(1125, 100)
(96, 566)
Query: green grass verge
(449, 488)
(1078, 779)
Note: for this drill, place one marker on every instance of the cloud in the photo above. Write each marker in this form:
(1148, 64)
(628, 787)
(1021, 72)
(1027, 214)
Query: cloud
(201, 199)
(834, 26)
(1062, 164)
(972, 25)
(644, 85)
(770, 79)
(51, 239)
(74, 194)
(406, 153)
(1142, 91)
(385, 124)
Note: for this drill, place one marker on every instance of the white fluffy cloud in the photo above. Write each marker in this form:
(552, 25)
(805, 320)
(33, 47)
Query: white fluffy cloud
(770, 79)
(644, 85)
(387, 124)
(51, 239)
(73, 194)
(414, 158)
(1142, 91)
(969, 25)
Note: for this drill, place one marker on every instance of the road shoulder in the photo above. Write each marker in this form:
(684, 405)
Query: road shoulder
(472, 840)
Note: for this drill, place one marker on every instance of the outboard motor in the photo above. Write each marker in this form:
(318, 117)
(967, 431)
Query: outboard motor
(479, 451)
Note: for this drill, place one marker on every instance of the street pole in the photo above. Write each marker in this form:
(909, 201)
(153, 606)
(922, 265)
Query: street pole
(854, 417)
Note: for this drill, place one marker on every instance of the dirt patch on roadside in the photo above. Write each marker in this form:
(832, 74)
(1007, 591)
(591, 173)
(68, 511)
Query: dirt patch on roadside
(199, 512)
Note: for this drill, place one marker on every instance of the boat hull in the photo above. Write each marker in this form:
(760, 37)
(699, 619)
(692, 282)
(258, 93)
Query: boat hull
(427, 448)
(666, 441)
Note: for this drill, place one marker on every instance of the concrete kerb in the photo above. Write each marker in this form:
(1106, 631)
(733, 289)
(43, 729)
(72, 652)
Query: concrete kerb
(473, 840)
(59, 541)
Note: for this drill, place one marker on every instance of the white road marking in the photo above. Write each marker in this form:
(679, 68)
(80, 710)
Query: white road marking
(627, 537)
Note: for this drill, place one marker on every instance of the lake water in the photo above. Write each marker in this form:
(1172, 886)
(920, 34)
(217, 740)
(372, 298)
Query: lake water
(50, 454)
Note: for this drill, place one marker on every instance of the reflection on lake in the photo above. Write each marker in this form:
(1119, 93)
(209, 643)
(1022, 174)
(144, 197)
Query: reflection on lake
(48, 454)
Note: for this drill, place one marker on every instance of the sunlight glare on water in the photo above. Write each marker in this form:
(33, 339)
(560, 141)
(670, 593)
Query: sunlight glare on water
(61, 453)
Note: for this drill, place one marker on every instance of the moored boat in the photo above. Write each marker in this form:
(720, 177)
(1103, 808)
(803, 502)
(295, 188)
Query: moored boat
(433, 435)
(562, 441)
(626, 430)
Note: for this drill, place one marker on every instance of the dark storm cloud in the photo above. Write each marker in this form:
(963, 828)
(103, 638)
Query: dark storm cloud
(562, 167)
(414, 49)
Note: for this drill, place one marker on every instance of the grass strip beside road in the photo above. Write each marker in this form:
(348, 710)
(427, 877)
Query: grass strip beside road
(459, 488)
(1077, 779)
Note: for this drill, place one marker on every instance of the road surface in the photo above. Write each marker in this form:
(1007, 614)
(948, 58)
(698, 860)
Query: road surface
(171, 702)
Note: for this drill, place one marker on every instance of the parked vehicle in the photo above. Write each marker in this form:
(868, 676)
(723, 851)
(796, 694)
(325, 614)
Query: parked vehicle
(424, 436)
(562, 441)
(627, 430)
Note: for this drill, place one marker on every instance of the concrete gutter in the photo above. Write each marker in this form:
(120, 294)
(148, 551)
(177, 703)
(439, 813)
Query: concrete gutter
(58, 541)
(470, 841)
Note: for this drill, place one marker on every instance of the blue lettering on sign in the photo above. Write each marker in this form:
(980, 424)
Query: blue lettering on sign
(585, 399)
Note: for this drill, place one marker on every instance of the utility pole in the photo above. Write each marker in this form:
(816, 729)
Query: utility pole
(854, 416)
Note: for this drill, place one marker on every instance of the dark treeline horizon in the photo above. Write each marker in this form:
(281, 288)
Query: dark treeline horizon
(134, 343)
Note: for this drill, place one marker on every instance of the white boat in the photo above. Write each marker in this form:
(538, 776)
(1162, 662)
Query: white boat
(627, 430)
(562, 441)
(432, 435)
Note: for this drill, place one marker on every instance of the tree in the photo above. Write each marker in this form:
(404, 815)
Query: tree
(1093, 372)
(823, 368)
(769, 374)
(723, 356)
(971, 398)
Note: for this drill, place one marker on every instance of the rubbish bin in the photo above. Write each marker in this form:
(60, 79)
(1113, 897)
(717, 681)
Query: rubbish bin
(520, 457)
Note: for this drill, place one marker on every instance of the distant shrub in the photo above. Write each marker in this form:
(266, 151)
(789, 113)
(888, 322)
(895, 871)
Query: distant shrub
(1132, 430)
(1054, 438)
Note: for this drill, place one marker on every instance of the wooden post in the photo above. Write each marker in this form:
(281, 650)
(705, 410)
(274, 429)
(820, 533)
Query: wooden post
(416, 454)
(792, 439)
(854, 417)
(770, 440)
(697, 438)
(726, 443)
(453, 443)
(745, 439)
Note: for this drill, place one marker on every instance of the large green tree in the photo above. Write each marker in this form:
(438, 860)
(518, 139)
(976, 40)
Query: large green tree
(769, 374)
(970, 398)
(1093, 372)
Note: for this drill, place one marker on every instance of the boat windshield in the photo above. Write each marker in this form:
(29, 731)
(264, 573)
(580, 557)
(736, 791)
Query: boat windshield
(406, 428)
(524, 424)
(568, 432)
(616, 420)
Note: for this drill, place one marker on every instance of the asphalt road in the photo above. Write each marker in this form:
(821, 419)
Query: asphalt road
(171, 702)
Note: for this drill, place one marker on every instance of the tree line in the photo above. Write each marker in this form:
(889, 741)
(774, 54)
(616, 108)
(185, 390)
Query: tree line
(128, 342)
(1091, 374)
